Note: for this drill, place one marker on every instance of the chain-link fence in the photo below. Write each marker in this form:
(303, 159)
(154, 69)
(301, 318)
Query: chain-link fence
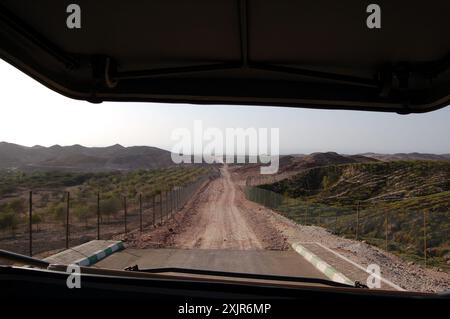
(46, 221)
(419, 235)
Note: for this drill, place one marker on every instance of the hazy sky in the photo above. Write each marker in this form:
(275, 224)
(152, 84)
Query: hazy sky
(31, 114)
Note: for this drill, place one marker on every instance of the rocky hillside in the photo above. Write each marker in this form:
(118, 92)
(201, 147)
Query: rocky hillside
(370, 182)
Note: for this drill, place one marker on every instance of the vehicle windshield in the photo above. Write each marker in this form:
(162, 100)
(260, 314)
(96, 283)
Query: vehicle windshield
(345, 196)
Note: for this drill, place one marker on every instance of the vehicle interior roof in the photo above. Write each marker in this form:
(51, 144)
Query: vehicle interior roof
(317, 54)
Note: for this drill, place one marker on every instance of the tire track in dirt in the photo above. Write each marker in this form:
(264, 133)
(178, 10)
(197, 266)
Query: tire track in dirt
(219, 222)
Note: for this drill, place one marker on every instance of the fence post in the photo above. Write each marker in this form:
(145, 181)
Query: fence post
(98, 216)
(175, 202)
(154, 209)
(140, 212)
(166, 204)
(160, 207)
(31, 223)
(67, 220)
(125, 213)
(357, 220)
(425, 236)
(176, 199)
(174, 193)
(169, 203)
(173, 198)
(335, 222)
(180, 197)
(386, 229)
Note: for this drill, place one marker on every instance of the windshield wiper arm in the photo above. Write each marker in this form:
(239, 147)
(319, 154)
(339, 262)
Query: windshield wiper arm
(244, 275)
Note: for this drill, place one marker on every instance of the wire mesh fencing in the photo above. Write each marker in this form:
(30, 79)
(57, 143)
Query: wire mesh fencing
(46, 221)
(15, 225)
(419, 235)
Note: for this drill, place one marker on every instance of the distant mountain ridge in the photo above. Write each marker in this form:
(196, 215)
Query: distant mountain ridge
(80, 158)
(117, 157)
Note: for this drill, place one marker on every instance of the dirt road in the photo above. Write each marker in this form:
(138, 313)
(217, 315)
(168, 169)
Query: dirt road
(219, 222)
(219, 217)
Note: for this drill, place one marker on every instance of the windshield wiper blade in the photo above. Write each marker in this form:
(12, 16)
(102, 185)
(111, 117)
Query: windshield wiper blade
(9, 255)
(244, 275)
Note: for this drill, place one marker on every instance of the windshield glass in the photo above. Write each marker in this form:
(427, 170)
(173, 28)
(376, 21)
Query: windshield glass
(347, 196)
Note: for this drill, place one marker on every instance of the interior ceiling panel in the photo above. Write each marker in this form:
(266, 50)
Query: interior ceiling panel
(317, 54)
